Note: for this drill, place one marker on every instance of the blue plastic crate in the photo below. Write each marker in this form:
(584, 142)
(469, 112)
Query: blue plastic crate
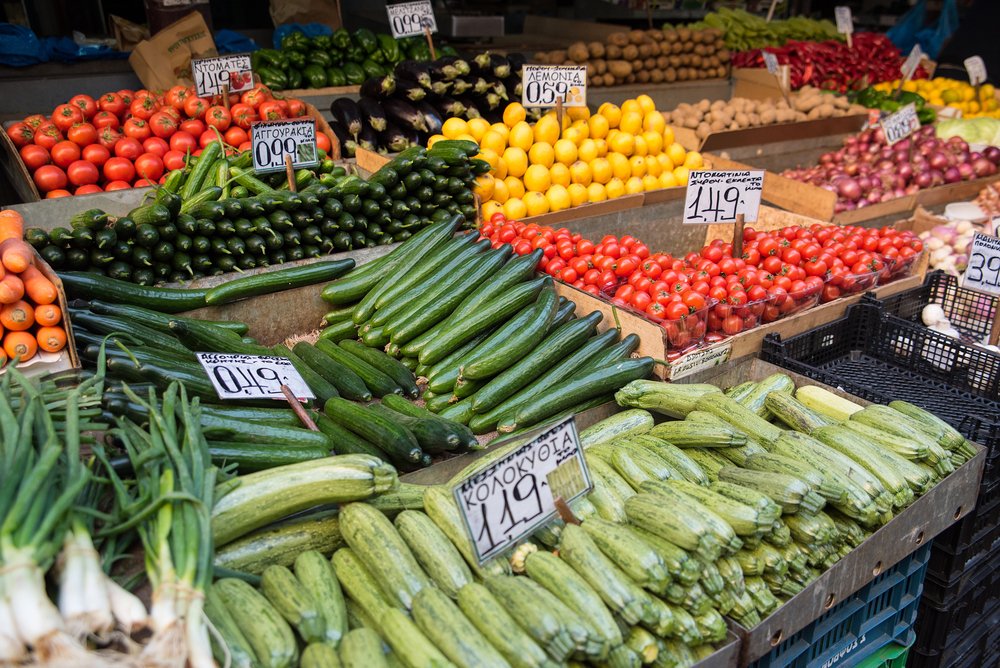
(880, 613)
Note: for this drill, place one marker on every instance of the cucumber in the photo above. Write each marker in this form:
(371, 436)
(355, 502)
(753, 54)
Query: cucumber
(397, 441)
(402, 289)
(345, 442)
(348, 383)
(108, 324)
(362, 648)
(319, 385)
(377, 382)
(316, 575)
(460, 411)
(392, 368)
(433, 434)
(275, 281)
(437, 403)
(516, 271)
(157, 320)
(201, 170)
(268, 634)
(352, 287)
(319, 655)
(293, 602)
(340, 331)
(238, 648)
(444, 374)
(375, 337)
(207, 338)
(465, 436)
(225, 429)
(451, 632)
(337, 315)
(434, 552)
(256, 456)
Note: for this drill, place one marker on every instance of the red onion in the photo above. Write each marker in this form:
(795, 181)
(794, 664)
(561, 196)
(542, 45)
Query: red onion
(874, 196)
(848, 188)
(923, 180)
(902, 145)
(958, 143)
(912, 189)
(937, 160)
(864, 183)
(966, 170)
(885, 166)
(937, 177)
(905, 171)
(992, 153)
(951, 175)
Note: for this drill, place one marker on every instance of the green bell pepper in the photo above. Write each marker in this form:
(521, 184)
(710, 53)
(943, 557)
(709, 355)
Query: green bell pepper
(296, 59)
(355, 54)
(335, 77)
(390, 48)
(447, 51)
(272, 77)
(268, 58)
(365, 39)
(354, 74)
(322, 42)
(321, 58)
(372, 69)
(314, 75)
(906, 97)
(295, 41)
(341, 39)
(294, 78)
(926, 115)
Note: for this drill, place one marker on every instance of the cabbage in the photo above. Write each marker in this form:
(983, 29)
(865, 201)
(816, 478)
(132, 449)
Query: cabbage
(973, 130)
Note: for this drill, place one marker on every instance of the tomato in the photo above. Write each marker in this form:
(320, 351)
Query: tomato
(117, 185)
(59, 192)
(66, 115)
(105, 119)
(195, 107)
(156, 146)
(830, 292)
(243, 115)
(643, 284)
(21, 134)
(149, 166)
(568, 275)
(296, 108)
(65, 153)
(82, 134)
(756, 293)
(88, 189)
(161, 124)
(86, 104)
(732, 324)
(323, 142)
(624, 266)
(136, 128)
(207, 137)
(128, 148)
(640, 250)
(176, 96)
(34, 156)
(82, 173)
(271, 111)
(49, 177)
(694, 300)
(674, 310)
(218, 117)
(815, 267)
(255, 96)
(579, 265)
(47, 136)
(522, 246)
(791, 256)
(727, 266)
(119, 169)
(183, 142)
(192, 126)
(607, 281)
(112, 103)
(108, 138)
(96, 154)
(35, 121)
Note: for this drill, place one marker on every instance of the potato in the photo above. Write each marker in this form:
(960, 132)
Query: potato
(677, 47)
(596, 49)
(723, 55)
(596, 82)
(578, 51)
(856, 109)
(807, 103)
(785, 115)
(703, 105)
(709, 49)
(670, 36)
(570, 63)
(718, 126)
(670, 75)
(630, 52)
(655, 35)
(825, 110)
(675, 61)
(619, 69)
(656, 76)
(684, 34)
(645, 51)
(663, 62)
(742, 119)
(754, 120)
(703, 130)
(768, 117)
(685, 59)
(654, 49)
(618, 39)
(591, 70)
(630, 79)
(613, 52)
(682, 74)
(600, 66)
(609, 79)
(642, 76)
(541, 57)
(637, 37)
(557, 56)
(696, 60)
(649, 64)
(841, 102)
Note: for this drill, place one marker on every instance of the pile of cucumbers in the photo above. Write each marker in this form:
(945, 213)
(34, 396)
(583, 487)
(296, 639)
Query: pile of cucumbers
(218, 217)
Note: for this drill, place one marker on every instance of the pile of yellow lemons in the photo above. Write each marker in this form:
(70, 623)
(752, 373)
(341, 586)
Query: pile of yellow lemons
(594, 157)
(952, 93)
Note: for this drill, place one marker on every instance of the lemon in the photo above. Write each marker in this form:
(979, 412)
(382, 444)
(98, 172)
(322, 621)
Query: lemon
(600, 170)
(574, 135)
(434, 139)
(579, 172)
(587, 150)
(578, 113)
(602, 147)
(514, 114)
(640, 147)
(631, 107)
(492, 141)
(612, 113)
(615, 188)
(453, 127)
(516, 160)
(693, 160)
(666, 164)
(668, 136)
(537, 179)
(514, 208)
(620, 167)
(558, 198)
(521, 136)
(536, 203)
(500, 171)
(577, 194)
(667, 179)
(501, 130)
(653, 121)
(599, 126)
(676, 153)
(582, 127)
(477, 127)
(631, 122)
(500, 192)
(465, 136)
(566, 151)
(490, 156)
(653, 166)
(596, 193)
(650, 182)
(547, 130)
(654, 142)
(646, 103)
(484, 186)
(682, 175)
(634, 185)
(491, 207)
(623, 143)
(559, 174)
(637, 164)
(541, 153)
(515, 186)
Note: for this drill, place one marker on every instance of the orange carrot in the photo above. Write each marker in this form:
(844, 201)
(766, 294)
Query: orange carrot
(11, 289)
(47, 315)
(20, 344)
(11, 225)
(38, 288)
(16, 255)
(51, 339)
(18, 316)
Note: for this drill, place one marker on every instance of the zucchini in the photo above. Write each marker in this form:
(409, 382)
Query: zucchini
(318, 655)
(362, 648)
(320, 386)
(237, 647)
(629, 553)
(465, 436)
(268, 634)
(391, 437)
(408, 643)
(620, 425)
(377, 382)
(432, 434)
(680, 524)
(343, 378)
(344, 441)
(739, 416)
(757, 394)
(258, 499)
(451, 632)
(497, 625)
(434, 552)
(408, 496)
(392, 368)
(360, 584)
(293, 602)
(440, 506)
(690, 434)
(531, 607)
(788, 410)
(674, 400)
(276, 281)
(316, 575)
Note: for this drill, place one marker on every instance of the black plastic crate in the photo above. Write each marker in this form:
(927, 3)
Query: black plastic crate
(969, 541)
(979, 647)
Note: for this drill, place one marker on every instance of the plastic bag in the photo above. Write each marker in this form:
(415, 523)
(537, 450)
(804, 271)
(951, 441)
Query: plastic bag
(230, 41)
(910, 30)
(308, 29)
(19, 47)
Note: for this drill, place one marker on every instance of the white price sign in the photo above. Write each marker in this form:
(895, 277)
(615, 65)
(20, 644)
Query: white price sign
(770, 62)
(845, 22)
(252, 376)
(900, 124)
(543, 85)
(407, 19)
(699, 360)
(983, 272)
(912, 62)
(271, 141)
(515, 496)
(976, 68)
(718, 197)
(211, 74)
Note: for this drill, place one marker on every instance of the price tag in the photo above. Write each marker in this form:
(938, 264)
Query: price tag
(543, 85)
(211, 74)
(976, 68)
(271, 141)
(515, 496)
(900, 124)
(407, 19)
(983, 272)
(912, 62)
(717, 197)
(252, 376)
(697, 360)
(845, 22)
(770, 62)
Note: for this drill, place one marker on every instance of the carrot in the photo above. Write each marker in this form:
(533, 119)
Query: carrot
(51, 339)
(20, 344)
(38, 288)
(11, 289)
(16, 255)
(18, 316)
(11, 225)
(47, 315)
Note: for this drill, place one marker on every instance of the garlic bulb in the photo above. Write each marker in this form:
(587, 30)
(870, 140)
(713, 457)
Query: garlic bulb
(932, 314)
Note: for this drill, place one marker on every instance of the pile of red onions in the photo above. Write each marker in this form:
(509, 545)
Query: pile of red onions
(867, 170)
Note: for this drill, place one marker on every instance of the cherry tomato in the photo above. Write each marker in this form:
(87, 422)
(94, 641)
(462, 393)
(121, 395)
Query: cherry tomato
(675, 310)
(694, 300)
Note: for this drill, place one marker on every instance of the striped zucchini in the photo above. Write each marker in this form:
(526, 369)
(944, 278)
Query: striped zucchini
(904, 447)
(682, 525)
(267, 633)
(741, 391)
(688, 434)
(377, 543)
(745, 520)
(740, 417)
(636, 558)
(529, 604)
(643, 643)
(357, 618)
(649, 460)
(675, 458)
(708, 461)
(444, 624)
(791, 493)
(683, 568)
(762, 503)
(440, 506)
(711, 625)
(883, 464)
(756, 396)
(258, 499)
(281, 543)
(293, 602)
(751, 561)
(360, 584)
(239, 650)
(434, 552)
(826, 486)
(362, 648)
(710, 581)
(788, 410)
(609, 477)
(608, 504)
(833, 406)
(674, 400)
(407, 496)
(735, 455)
(811, 529)
(318, 655)
(621, 425)
(498, 627)
(623, 463)
(947, 436)
(316, 575)
(730, 571)
(408, 642)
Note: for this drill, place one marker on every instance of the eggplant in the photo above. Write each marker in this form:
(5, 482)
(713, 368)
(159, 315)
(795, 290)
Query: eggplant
(472, 107)
(448, 106)
(493, 64)
(482, 85)
(393, 138)
(372, 114)
(500, 89)
(404, 114)
(516, 61)
(409, 89)
(378, 88)
(452, 66)
(368, 139)
(340, 132)
(440, 86)
(460, 86)
(346, 111)
(431, 116)
(414, 137)
(417, 71)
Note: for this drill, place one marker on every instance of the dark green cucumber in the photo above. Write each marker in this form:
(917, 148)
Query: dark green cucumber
(339, 331)
(256, 456)
(201, 170)
(374, 337)
(85, 285)
(561, 342)
(597, 381)
(400, 375)
(106, 324)
(352, 287)
(346, 442)
(432, 434)
(377, 382)
(272, 416)
(348, 383)
(276, 281)
(516, 271)
(460, 412)
(400, 405)
(225, 429)
(457, 331)
(620, 351)
(436, 403)
(156, 319)
(320, 386)
(337, 315)
(397, 441)
(444, 374)
(565, 312)
(425, 267)
(206, 338)
(465, 387)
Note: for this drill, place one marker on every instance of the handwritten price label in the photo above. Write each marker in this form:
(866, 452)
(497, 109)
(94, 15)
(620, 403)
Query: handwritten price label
(912, 62)
(211, 74)
(900, 124)
(770, 62)
(845, 22)
(515, 496)
(407, 19)
(271, 141)
(983, 272)
(252, 376)
(718, 197)
(976, 68)
(543, 85)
